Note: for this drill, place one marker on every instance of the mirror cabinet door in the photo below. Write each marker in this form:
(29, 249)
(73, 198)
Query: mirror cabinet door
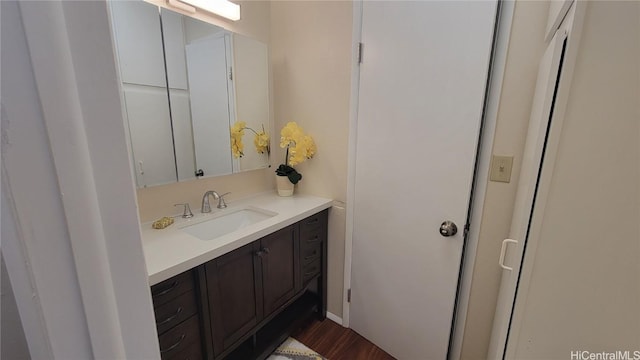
(251, 78)
(176, 67)
(210, 95)
(136, 28)
(185, 82)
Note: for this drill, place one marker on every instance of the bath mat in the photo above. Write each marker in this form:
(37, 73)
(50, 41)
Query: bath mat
(292, 349)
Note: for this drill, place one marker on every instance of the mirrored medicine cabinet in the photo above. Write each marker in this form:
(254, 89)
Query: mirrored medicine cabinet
(184, 83)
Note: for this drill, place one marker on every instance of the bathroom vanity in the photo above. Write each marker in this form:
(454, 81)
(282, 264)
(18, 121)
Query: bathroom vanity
(238, 294)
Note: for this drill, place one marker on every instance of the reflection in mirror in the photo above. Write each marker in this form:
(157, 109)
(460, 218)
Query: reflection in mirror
(136, 27)
(201, 94)
(185, 83)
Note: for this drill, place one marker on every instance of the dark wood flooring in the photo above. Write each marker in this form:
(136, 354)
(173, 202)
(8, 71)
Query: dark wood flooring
(335, 342)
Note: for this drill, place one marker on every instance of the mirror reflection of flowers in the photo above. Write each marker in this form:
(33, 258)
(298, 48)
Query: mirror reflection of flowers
(261, 139)
(300, 147)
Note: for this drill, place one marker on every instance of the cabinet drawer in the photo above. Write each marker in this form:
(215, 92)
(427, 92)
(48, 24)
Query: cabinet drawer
(193, 352)
(310, 253)
(311, 270)
(310, 239)
(172, 288)
(181, 339)
(314, 224)
(175, 311)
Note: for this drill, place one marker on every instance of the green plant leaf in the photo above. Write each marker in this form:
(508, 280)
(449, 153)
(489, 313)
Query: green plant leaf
(288, 171)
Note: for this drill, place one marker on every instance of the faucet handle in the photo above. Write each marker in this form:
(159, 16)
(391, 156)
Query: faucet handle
(221, 203)
(187, 210)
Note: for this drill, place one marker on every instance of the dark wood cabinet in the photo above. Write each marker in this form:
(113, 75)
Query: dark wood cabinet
(178, 318)
(280, 268)
(235, 295)
(250, 283)
(241, 305)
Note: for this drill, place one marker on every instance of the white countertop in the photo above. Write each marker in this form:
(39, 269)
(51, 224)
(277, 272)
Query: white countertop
(171, 251)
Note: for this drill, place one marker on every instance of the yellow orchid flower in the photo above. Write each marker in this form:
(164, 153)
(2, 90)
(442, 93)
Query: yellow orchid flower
(237, 132)
(261, 139)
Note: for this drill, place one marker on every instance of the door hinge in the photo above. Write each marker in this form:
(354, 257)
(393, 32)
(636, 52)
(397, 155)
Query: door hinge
(231, 73)
(467, 227)
(348, 295)
(360, 49)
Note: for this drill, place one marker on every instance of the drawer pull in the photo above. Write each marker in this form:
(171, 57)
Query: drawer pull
(170, 318)
(309, 273)
(313, 221)
(313, 239)
(174, 345)
(168, 290)
(315, 253)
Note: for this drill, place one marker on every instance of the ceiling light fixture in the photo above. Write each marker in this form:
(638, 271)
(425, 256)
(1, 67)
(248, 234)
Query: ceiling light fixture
(182, 6)
(224, 8)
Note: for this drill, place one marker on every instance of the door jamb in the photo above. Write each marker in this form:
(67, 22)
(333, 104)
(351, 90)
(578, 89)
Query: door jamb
(351, 167)
(494, 92)
(85, 129)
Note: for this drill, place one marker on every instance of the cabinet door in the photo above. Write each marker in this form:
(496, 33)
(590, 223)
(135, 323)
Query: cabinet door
(280, 268)
(173, 36)
(235, 295)
(138, 41)
(150, 128)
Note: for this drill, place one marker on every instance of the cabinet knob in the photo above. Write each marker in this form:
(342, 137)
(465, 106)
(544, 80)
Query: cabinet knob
(263, 251)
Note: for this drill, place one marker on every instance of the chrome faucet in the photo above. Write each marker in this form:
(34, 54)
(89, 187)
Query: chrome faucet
(206, 206)
(187, 210)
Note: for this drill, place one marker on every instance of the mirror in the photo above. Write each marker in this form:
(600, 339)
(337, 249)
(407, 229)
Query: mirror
(185, 83)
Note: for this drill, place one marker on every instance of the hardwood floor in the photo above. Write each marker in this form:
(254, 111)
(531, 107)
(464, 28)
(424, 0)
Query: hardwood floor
(335, 342)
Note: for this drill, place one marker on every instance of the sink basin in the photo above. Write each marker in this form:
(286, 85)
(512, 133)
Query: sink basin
(227, 222)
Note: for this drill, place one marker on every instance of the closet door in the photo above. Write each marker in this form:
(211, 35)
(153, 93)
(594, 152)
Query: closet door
(579, 288)
(541, 113)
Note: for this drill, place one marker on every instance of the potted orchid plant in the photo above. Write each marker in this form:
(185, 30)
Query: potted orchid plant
(299, 147)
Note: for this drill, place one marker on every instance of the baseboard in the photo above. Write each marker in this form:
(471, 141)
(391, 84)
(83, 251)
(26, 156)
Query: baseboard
(335, 318)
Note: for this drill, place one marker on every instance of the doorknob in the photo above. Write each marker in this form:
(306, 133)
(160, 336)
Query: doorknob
(448, 228)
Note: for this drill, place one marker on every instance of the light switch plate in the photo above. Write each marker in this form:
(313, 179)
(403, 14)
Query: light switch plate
(501, 168)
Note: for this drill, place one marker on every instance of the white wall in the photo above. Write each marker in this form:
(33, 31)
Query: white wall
(311, 60)
(581, 287)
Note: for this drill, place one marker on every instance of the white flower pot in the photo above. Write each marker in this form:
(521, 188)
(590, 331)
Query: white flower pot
(285, 187)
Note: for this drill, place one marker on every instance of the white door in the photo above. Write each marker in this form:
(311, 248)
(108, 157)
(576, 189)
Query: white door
(422, 87)
(541, 112)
